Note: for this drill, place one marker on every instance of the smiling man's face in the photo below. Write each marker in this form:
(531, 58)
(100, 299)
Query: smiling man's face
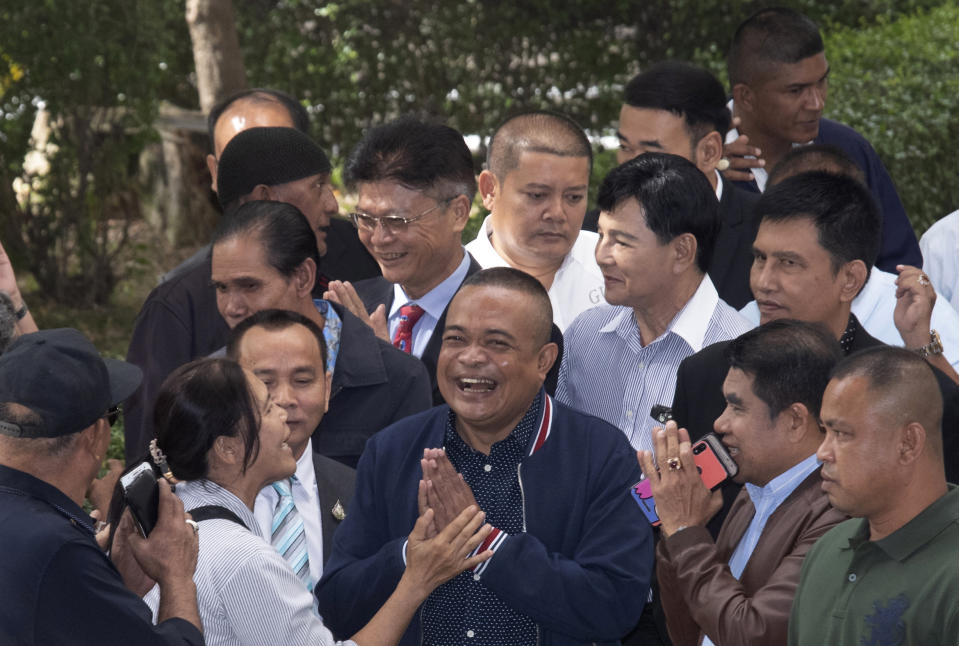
(491, 364)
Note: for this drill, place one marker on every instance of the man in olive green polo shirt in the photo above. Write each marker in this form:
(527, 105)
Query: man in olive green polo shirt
(890, 576)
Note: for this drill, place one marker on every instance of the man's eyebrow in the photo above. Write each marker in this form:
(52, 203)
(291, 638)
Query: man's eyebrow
(733, 398)
(618, 233)
(788, 255)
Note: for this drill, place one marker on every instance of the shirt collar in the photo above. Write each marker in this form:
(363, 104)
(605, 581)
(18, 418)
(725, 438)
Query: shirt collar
(199, 493)
(434, 302)
(305, 473)
(690, 323)
(523, 434)
(922, 529)
(780, 487)
(719, 185)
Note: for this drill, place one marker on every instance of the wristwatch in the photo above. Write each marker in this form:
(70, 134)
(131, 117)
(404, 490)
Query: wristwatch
(931, 349)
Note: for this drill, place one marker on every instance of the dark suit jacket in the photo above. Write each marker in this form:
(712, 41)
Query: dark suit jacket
(732, 251)
(699, 400)
(334, 483)
(378, 291)
(699, 594)
(179, 322)
(374, 385)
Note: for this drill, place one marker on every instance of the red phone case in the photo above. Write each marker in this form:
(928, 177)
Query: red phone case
(712, 469)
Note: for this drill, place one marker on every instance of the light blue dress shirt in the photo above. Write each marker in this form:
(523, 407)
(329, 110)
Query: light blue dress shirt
(434, 303)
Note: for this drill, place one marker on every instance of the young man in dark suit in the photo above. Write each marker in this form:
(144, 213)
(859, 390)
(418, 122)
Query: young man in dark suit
(681, 109)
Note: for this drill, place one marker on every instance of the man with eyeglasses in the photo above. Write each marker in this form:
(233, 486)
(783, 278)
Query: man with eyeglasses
(535, 185)
(416, 184)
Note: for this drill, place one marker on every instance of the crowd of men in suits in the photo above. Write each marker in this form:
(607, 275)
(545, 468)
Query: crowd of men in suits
(748, 272)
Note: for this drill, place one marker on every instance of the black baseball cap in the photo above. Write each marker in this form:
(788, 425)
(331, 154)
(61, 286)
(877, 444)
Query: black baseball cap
(59, 375)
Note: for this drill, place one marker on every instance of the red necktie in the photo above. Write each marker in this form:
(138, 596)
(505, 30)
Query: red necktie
(409, 315)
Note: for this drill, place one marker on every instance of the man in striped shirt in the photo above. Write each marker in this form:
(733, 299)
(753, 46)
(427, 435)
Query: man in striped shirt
(657, 227)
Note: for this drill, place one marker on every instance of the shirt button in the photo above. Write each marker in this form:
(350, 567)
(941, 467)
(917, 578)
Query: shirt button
(488, 468)
(476, 577)
(469, 633)
(852, 577)
(641, 365)
(629, 414)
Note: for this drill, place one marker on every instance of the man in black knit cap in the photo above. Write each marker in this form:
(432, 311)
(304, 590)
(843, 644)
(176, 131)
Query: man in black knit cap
(279, 164)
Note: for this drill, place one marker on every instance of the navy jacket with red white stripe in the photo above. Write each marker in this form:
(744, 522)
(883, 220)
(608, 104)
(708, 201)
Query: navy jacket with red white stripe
(582, 568)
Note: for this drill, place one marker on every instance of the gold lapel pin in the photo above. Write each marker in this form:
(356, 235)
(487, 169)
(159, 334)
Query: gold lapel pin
(339, 512)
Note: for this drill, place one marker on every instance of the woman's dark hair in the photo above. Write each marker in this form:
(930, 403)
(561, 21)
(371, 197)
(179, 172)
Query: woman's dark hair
(199, 402)
(281, 228)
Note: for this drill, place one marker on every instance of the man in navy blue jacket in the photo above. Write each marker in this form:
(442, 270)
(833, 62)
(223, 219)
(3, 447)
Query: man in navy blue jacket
(779, 78)
(572, 551)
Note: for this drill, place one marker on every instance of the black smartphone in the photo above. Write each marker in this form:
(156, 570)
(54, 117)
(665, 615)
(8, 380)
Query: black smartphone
(142, 495)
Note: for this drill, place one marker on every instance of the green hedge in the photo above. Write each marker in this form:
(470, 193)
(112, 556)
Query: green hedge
(897, 83)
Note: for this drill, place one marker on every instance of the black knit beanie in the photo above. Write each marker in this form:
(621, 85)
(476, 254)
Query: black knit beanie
(268, 156)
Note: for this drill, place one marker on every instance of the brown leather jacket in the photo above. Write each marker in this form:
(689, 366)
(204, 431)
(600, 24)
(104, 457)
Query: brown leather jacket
(700, 595)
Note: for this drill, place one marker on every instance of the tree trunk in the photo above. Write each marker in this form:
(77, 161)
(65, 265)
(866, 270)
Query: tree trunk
(216, 50)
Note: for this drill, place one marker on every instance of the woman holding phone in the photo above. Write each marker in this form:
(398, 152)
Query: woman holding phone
(223, 439)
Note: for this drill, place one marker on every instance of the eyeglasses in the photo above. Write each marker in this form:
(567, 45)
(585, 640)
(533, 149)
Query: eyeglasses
(392, 223)
(113, 415)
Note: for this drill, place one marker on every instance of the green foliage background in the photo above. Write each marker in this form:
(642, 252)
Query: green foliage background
(356, 62)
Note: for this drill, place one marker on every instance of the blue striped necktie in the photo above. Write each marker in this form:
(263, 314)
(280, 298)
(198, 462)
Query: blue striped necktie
(288, 536)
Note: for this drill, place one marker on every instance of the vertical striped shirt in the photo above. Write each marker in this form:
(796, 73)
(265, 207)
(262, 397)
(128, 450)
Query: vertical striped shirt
(608, 373)
(246, 592)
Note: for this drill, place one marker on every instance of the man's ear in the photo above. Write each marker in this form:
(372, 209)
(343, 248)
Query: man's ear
(743, 98)
(488, 188)
(852, 277)
(797, 419)
(262, 192)
(460, 205)
(912, 442)
(709, 150)
(304, 277)
(684, 252)
(546, 358)
(95, 438)
(211, 165)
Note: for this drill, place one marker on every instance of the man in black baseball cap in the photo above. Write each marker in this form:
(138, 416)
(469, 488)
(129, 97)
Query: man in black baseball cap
(56, 394)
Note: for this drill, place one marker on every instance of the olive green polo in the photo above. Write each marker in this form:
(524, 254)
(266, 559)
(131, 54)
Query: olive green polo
(902, 589)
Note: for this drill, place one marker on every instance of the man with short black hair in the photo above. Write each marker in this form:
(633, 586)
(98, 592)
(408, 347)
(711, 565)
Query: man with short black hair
(264, 257)
(657, 228)
(415, 185)
(739, 588)
(572, 551)
(875, 305)
(288, 352)
(535, 186)
(814, 250)
(179, 321)
(679, 108)
(891, 576)
(779, 80)
(58, 587)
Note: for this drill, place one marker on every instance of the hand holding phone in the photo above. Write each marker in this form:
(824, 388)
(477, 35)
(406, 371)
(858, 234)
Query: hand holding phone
(142, 495)
(713, 462)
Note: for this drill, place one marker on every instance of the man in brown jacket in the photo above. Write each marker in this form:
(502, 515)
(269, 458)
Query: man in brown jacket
(739, 589)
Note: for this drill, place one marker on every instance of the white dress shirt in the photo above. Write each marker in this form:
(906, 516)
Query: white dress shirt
(434, 303)
(578, 284)
(246, 593)
(307, 501)
(940, 256)
(874, 307)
